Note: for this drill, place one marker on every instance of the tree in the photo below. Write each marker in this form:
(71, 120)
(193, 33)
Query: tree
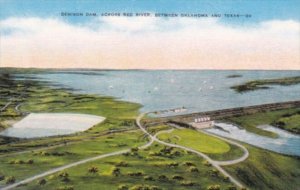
(177, 177)
(42, 182)
(193, 169)
(93, 170)
(2, 177)
(116, 171)
(10, 180)
(162, 178)
(64, 176)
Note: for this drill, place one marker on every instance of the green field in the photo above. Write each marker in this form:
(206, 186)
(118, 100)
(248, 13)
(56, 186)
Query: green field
(267, 170)
(171, 169)
(196, 140)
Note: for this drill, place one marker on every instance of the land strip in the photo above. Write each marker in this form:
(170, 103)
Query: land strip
(223, 113)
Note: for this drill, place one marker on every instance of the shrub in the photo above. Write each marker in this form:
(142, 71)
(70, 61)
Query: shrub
(2, 177)
(10, 180)
(163, 178)
(166, 150)
(134, 149)
(226, 179)
(214, 187)
(19, 162)
(126, 154)
(93, 169)
(135, 174)
(30, 161)
(42, 182)
(187, 183)
(43, 153)
(154, 153)
(189, 164)
(214, 173)
(116, 171)
(172, 165)
(122, 187)
(176, 153)
(177, 177)
(64, 177)
(206, 163)
(63, 174)
(122, 164)
(193, 169)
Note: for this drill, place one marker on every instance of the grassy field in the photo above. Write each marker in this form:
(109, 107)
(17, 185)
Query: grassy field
(215, 148)
(18, 166)
(265, 84)
(157, 167)
(289, 122)
(267, 170)
(290, 117)
(195, 140)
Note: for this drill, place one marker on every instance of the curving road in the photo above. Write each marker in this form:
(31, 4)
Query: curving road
(230, 162)
(153, 138)
(216, 164)
(52, 171)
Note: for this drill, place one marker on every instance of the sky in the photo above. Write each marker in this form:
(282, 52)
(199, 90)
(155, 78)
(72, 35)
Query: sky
(34, 34)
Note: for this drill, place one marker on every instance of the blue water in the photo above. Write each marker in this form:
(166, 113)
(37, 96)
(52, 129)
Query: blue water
(196, 90)
(286, 142)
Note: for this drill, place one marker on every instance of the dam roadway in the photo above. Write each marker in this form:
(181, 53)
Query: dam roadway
(223, 113)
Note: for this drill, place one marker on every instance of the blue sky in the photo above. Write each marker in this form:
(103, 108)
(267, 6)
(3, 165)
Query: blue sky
(34, 34)
(260, 9)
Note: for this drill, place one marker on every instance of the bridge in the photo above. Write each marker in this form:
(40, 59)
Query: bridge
(221, 114)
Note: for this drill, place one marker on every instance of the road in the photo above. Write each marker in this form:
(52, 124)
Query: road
(153, 138)
(230, 162)
(52, 171)
(63, 143)
(5, 106)
(216, 164)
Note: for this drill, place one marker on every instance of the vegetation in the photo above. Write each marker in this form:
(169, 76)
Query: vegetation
(142, 172)
(289, 122)
(265, 84)
(117, 132)
(288, 119)
(267, 170)
(156, 167)
(196, 140)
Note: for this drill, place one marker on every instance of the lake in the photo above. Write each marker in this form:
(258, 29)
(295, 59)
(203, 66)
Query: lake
(203, 90)
(197, 90)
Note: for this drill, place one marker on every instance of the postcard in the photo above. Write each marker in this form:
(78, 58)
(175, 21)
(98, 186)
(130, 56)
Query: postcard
(149, 95)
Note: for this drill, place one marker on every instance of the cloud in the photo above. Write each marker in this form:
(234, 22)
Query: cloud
(149, 43)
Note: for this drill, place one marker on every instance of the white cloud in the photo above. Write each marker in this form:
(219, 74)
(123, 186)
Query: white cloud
(175, 43)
